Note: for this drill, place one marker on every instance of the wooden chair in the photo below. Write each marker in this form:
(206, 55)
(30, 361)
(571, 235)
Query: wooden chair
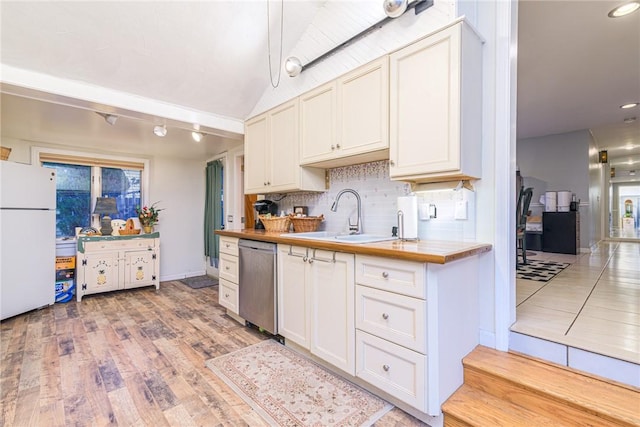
(522, 210)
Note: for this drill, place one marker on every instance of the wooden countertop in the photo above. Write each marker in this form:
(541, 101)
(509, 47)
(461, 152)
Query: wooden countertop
(433, 251)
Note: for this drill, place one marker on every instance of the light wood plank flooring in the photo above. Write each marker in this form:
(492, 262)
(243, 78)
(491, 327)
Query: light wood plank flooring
(594, 304)
(129, 358)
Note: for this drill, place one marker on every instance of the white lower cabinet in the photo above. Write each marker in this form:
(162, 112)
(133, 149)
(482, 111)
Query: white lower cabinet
(110, 263)
(228, 272)
(316, 303)
(414, 324)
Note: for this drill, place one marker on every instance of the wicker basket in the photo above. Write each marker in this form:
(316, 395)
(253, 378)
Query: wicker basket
(306, 223)
(4, 153)
(276, 223)
(128, 232)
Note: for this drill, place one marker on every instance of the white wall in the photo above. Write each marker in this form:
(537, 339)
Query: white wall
(560, 163)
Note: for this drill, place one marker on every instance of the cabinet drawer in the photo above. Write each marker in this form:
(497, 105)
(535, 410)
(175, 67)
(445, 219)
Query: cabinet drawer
(229, 245)
(228, 295)
(114, 245)
(392, 368)
(229, 267)
(397, 318)
(402, 277)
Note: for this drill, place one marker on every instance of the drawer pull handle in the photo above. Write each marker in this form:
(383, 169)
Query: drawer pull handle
(227, 245)
(385, 274)
(385, 316)
(226, 295)
(310, 260)
(386, 368)
(226, 267)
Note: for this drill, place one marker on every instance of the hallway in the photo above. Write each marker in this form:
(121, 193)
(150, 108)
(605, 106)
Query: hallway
(593, 304)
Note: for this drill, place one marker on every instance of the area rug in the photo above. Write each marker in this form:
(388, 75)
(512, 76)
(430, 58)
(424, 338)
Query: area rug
(541, 271)
(198, 282)
(287, 389)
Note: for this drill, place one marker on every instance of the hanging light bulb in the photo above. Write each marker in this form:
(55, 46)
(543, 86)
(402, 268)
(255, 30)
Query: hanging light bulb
(394, 8)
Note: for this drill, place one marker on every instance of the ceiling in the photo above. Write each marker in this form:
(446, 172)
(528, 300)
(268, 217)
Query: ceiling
(576, 67)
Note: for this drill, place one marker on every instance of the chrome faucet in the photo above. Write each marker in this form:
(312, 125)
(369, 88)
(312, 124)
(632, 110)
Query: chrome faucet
(353, 228)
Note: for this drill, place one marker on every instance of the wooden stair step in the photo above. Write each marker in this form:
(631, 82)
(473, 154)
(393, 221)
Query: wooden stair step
(470, 406)
(567, 396)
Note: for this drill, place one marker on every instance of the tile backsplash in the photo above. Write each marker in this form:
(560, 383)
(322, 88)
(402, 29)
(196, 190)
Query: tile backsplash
(379, 204)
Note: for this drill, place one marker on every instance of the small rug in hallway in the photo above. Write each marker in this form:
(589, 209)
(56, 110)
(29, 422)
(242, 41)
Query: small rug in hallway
(541, 271)
(198, 282)
(287, 389)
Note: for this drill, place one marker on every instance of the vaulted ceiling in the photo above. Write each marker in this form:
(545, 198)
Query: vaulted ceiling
(576, 66)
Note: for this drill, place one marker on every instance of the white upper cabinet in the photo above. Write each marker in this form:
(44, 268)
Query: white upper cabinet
(436, 107)
(271, 154)
(346, 121)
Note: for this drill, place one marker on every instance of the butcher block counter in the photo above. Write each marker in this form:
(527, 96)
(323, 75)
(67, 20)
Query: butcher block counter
(429, 251)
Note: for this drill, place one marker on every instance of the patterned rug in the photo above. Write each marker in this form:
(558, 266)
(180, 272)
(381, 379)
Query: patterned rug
(198, 282)
(287, 389)
(541, 271)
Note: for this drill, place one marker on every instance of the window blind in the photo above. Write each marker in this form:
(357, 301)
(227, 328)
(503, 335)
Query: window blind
(89, 161)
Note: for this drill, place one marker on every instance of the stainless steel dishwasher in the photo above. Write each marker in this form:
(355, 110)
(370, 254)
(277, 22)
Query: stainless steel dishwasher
(257, 284)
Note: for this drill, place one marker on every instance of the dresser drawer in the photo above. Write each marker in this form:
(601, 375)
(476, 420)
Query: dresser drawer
(402, 277)
(396, 318)
(228, 295)
(116, 245)
(392, 368)
(229, 267)
(229, 245)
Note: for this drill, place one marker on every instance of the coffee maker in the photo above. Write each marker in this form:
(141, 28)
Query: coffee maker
(264, 207)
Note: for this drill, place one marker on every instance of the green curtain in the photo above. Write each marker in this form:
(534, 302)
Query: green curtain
(213, 213)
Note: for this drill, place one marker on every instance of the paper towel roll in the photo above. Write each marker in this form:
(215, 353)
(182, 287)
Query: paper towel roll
(408, 217)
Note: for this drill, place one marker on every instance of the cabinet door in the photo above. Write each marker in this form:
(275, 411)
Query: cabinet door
(284, 163)
(318, 124)
(139, 268)
(293, 295)
(425, 106)
(332, 308)
(363, 109)
(100, 273)
(255, 155)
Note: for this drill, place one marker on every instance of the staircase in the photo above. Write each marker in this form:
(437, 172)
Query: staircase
(511, 389)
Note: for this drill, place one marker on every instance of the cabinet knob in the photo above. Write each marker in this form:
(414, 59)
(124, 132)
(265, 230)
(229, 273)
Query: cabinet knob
(310, 260)
(385, 316)
(226, 267)
(226, 295)
(264, 183)
(304, 259)
(385, 274)
(333, 147)
(227, 245)
(338, 146)
(386, 368)
(268, 182)
(392, 163)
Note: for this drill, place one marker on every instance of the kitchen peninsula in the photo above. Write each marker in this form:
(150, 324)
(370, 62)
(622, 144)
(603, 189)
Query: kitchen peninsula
(394, 317)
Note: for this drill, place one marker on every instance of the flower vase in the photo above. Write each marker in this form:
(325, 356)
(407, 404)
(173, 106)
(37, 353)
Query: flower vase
(148, 229)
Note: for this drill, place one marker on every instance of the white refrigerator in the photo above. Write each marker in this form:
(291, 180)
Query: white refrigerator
(27, 237)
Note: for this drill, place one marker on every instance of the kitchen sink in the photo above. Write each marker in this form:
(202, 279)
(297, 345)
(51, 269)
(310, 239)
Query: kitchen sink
(328, 236)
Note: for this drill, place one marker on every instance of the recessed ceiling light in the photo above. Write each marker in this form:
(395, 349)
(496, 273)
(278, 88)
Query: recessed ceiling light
(629, 119)
(629, 105)
(160, 130)
(624, 9)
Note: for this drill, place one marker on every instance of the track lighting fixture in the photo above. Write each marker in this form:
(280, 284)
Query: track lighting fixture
(392, 8)
(197, 136)
(109, 118)
(160, 130)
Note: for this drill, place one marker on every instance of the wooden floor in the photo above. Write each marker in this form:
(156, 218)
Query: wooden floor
(594, 304)
(129, 358)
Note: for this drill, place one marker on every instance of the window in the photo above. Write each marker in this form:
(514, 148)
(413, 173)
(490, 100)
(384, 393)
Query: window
(80, 180)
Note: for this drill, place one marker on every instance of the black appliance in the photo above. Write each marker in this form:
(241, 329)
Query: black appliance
(264, 207)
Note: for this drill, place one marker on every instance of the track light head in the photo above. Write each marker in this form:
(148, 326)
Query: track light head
(109, 118)
(293, 66)
(160, 130)
(394, 8)
(197, 136)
